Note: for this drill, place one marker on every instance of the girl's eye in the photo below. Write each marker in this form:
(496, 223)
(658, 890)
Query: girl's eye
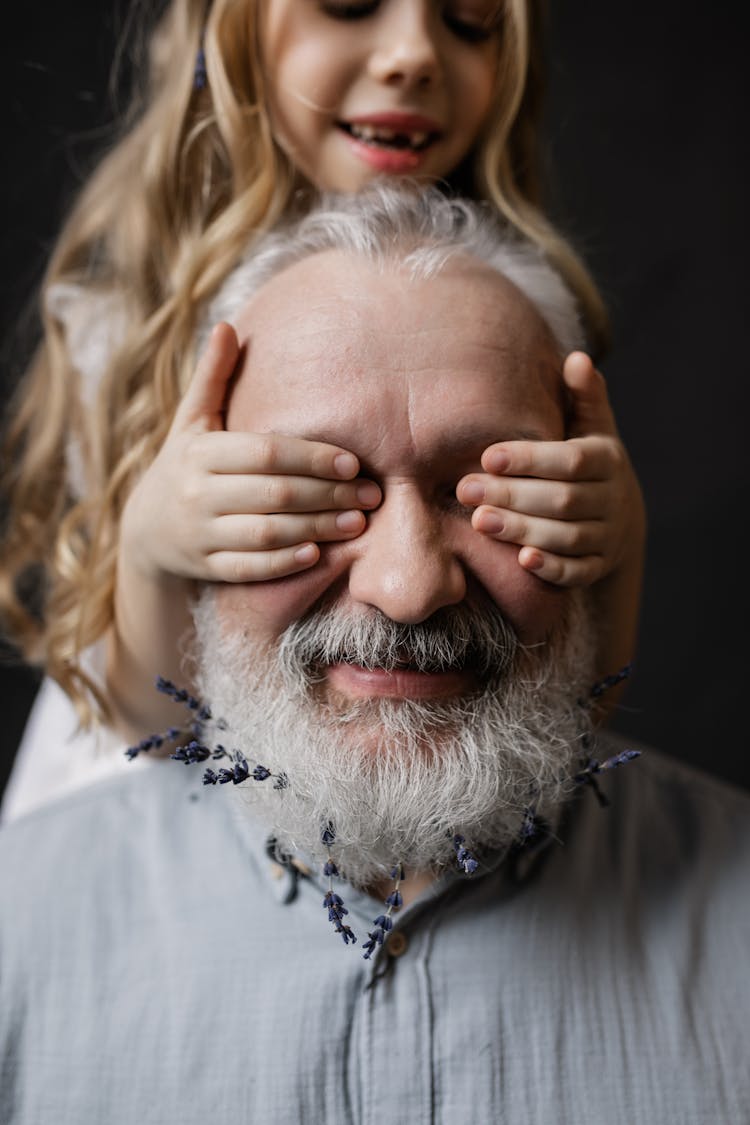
(472, 27)
(346, 10)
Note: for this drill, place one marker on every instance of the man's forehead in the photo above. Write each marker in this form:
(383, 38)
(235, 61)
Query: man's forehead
(332, 338)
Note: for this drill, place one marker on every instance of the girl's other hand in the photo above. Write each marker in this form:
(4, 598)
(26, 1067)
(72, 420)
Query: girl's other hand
(238, 507)
(574, 506)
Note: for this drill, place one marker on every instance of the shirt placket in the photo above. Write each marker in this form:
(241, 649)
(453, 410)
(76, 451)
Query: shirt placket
(395, 1036)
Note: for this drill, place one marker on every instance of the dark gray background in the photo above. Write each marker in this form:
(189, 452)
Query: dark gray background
(645, 140)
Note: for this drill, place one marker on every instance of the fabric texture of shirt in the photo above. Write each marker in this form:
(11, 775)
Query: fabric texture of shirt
(157, 966)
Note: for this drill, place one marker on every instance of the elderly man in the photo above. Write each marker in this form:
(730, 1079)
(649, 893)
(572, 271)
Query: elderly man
(398, 754)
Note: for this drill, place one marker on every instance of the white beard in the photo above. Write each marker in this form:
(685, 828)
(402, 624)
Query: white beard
(397, 778)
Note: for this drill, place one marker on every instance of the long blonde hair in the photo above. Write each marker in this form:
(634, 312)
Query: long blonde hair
(161, 223)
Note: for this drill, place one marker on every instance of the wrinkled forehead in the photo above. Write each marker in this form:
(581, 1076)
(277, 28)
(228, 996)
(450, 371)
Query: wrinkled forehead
(340, 350)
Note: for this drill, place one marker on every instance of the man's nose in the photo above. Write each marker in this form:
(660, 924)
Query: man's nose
(406, 53)
(405, 565)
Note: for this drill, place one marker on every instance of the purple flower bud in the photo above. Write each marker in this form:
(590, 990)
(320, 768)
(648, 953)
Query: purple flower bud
(241, 770)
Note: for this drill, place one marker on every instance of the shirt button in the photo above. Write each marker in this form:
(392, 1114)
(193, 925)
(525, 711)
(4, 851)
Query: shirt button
(397, 944)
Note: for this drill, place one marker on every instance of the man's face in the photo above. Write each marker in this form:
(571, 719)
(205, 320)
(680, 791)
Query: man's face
(416, 378)
(416, 682)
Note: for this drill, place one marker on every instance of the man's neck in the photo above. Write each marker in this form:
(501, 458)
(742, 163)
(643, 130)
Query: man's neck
(412, 886)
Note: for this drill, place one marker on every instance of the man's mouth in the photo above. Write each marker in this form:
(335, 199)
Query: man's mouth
(403, 681)
(386, 137)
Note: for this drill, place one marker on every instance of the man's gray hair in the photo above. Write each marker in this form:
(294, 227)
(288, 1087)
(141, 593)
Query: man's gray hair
(418, 231)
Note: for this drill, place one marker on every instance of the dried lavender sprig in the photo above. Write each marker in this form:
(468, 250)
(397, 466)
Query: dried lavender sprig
(239, 772)
(182, 695)
(466, 860)
(593, 766)
(587, 776)
(610, 681)
(333, 902)
(529, 824)
(383, 924)
(154, 742)
(193, 752)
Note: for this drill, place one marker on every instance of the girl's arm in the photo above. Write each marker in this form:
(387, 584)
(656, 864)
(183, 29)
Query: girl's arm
(576, 508)
(215, 506)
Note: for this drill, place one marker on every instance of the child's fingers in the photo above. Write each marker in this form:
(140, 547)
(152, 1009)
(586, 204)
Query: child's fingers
(271, 453)
(264, 495)
(560, 570)
(261, 566)
(584, 537)
(552, 499)
(204, 400)
(270, 533)
(586, 458)
(590, 412)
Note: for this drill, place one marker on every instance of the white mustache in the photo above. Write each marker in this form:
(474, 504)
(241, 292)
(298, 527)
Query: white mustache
(454, 638)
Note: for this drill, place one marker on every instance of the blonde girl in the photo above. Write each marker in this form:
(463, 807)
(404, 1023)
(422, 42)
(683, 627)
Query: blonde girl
(124, 488)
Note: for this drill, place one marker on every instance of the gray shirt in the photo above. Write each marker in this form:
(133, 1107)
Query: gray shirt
(156, 966)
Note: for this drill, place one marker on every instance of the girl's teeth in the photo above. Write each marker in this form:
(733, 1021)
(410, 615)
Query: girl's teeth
(383, 135)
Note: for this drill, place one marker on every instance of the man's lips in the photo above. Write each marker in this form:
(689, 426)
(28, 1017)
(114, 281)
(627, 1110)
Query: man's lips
(401, 683)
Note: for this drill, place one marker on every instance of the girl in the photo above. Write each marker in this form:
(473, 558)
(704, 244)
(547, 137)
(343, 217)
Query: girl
(125, 488)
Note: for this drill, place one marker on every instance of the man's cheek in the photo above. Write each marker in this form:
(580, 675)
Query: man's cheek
(265, 609)
(532, 606)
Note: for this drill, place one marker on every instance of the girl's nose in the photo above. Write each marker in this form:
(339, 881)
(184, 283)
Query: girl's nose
(406, 53)
(405, 565)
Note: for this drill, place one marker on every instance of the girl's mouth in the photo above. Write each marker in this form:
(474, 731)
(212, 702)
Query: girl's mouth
(385, 137)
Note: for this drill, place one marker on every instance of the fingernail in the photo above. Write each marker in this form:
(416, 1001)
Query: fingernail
(345, 464)
(350, 521)
(473, 492)
(491, 523)
(306, 554)
(497, 462)
(532, 560)
(368, 493)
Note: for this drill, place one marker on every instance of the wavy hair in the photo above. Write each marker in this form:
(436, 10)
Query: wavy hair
(166, 215)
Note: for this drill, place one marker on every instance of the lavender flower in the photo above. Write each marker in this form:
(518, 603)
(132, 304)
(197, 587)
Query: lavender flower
(181, 695)
(587, 776)
(333, 902)
(466, 860)
(383, 924)
(610, 681)
(153, 742)
(336, 911)
(192, 753)
(529, 824)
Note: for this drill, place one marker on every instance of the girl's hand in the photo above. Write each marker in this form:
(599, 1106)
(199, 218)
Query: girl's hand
(575, 506)
(238, 507)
